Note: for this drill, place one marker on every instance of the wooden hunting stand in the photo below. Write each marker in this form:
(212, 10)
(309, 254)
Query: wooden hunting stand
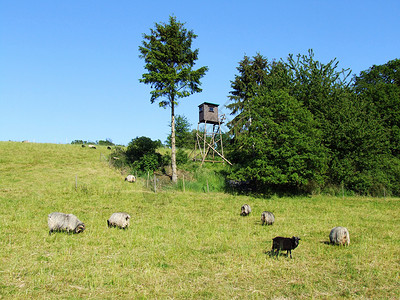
(209, 145)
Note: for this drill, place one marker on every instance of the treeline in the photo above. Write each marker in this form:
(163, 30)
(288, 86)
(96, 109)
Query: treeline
(303, 126)
(107, 142)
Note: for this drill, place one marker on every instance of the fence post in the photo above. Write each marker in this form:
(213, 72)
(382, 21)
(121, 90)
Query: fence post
(183, 181)
(343, 189)
(148, 178)
(208, 189)
(155, 184)
(76, 182)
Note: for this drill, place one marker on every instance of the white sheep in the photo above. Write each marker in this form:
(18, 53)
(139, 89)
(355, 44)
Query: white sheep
(339, 236)
(119, 219)
(267, 218)
(130, 178)
(246, 210)
(64, 222)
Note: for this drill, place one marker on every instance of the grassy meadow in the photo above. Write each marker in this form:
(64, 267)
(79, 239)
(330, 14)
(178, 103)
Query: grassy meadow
(179, 245)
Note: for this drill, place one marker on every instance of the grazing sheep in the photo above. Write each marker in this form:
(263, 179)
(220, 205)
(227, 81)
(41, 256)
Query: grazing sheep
(64, 222)
(108, 147)
(119, 219)
(92, 146)
(283, 243)
(340, 236)
(83, 146)
(246, 210)
(130, 178)
(267, 217)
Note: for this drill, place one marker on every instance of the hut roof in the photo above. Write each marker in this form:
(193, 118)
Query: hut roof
(209, 104)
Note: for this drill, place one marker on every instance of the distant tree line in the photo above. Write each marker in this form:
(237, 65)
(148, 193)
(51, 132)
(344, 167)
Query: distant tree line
(107, 142)
(303, 126)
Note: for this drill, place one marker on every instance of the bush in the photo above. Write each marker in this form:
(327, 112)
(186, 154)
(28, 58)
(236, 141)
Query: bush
(148, 163)
(140, 146)
(118, 158)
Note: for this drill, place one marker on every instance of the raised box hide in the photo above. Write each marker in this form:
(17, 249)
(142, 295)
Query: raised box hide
(208, 113)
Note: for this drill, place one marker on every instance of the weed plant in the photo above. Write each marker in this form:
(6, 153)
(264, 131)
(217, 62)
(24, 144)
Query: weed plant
(191, 245)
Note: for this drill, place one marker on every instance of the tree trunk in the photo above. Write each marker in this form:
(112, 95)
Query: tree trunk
(173, 149)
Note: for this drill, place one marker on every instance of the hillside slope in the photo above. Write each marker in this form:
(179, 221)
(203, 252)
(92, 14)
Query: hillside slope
(179, 245)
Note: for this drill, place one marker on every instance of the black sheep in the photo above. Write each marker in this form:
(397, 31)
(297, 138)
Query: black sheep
(283, 243)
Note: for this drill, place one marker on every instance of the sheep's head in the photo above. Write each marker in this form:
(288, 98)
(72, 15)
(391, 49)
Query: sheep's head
(81, 227)
(295, 241)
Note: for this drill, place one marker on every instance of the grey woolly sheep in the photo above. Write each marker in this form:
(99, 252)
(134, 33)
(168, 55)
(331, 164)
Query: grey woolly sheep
(267, 217)
(246, 210)
(283, 243)
(64, 222)
(339, 236)
(130, 178)
(119, 219)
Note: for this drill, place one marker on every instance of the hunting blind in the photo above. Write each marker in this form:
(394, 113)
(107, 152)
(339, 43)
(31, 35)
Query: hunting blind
(208, 112)
(209, 142)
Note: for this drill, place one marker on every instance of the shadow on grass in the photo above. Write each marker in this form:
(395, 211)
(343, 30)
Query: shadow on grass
(274, 254)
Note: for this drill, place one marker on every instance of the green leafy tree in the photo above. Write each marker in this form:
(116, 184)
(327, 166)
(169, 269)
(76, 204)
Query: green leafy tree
(380, 87)
(139, 147)
(167, 52)
(357, 142)
(301, 123)
(252, 74)
(282, 147)
(314, 82)
(183, 135)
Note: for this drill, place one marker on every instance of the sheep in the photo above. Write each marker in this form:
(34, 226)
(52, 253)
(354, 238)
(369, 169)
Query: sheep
(92, 146)
(283, 243)
(83, 146)
(130, 178)
(64, 222)
(108, 148)
(267, 218)
(339, 236)
(246, 210)
(120, 219)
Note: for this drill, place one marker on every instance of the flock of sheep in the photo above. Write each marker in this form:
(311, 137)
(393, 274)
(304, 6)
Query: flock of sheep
(338, 235)
(71, 224)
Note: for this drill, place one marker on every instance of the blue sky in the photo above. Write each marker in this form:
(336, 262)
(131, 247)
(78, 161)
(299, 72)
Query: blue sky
(70, 69)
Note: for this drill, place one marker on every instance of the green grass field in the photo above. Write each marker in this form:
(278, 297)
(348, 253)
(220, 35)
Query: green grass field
(179, 245)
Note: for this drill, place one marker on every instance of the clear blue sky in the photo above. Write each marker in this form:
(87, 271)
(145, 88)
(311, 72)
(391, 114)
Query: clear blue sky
(70, 69)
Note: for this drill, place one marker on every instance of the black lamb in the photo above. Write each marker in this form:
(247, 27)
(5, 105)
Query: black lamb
(283, 243)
